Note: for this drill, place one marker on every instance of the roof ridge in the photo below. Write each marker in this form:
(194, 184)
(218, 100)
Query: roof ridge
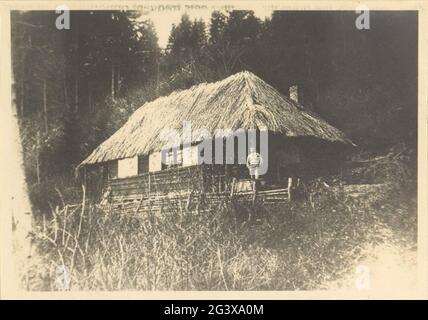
(243, 73)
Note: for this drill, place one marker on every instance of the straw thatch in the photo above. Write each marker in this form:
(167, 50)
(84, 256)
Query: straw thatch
(242, 101)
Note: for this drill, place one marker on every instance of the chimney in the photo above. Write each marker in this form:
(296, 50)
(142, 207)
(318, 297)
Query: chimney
(294, 93)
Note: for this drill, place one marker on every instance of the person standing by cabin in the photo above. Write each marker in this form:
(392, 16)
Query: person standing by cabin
(254, 162)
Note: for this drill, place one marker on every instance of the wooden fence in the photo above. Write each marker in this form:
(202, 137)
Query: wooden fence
(182, 203)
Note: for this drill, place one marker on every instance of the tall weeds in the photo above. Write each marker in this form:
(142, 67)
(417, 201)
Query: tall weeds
(298, 246)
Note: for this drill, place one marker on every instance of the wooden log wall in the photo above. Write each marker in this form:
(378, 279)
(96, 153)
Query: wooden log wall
(162, 182)
(201, 178)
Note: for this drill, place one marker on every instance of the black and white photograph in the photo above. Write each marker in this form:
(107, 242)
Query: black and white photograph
(208, 146)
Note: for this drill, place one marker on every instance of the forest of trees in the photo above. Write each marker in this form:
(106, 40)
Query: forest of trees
(75, 87)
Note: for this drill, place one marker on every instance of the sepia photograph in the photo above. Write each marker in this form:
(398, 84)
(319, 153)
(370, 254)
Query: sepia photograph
(172, 146)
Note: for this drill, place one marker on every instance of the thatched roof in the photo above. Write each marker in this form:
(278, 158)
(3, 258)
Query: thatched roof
(242, 100)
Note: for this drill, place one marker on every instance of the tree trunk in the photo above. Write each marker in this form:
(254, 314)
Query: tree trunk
(38, 157)
(22, 97)
(65, 92)
(76, 95)
(45, 106)
(76, 62)
(22, 93)
(157, 77)
(112, 81)
(118, 83)
(89, 96)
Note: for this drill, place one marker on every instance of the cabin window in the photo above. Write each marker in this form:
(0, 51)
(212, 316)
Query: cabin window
(112, 170)
(143, 164)
(172, 158)
(127, 167)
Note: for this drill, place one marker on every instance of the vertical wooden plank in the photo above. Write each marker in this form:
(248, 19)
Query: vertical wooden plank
(202, 178)
(149, 189)
(289, 185)
(232, 187)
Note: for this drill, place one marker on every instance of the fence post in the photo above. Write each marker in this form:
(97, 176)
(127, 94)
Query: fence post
(232, 187)
(254, 191)
(202, 178)
(289, 187)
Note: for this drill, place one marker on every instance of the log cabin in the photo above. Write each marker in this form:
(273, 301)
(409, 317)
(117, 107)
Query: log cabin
(134, 162)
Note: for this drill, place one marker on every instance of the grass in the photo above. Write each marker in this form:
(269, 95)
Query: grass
(303, 245)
